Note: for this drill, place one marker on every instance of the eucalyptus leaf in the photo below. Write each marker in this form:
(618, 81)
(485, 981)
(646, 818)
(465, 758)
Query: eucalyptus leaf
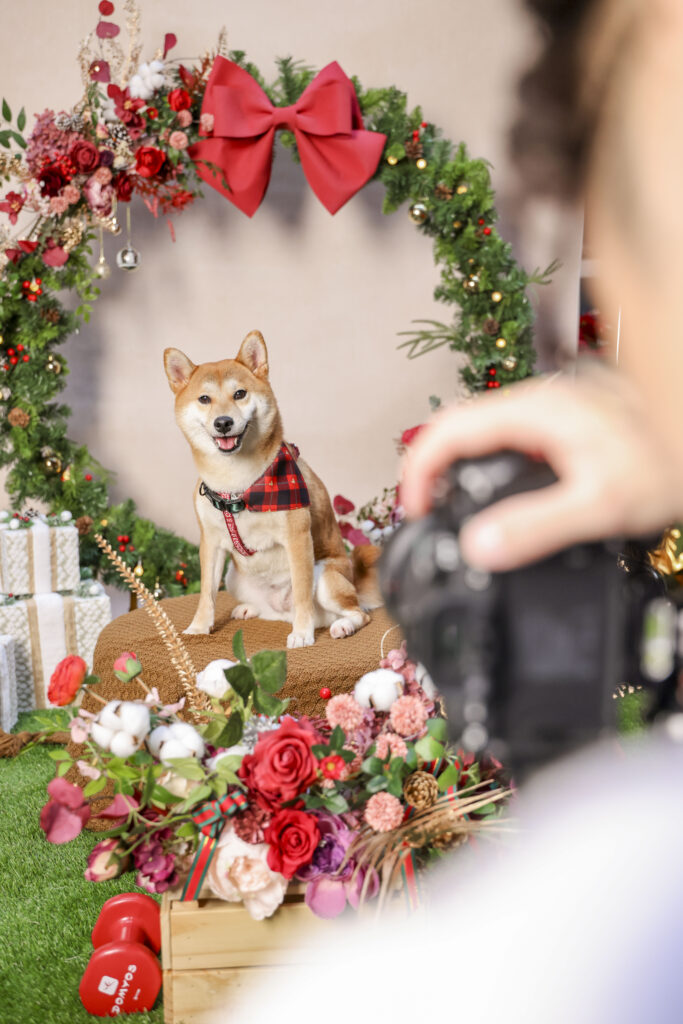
(270, 669)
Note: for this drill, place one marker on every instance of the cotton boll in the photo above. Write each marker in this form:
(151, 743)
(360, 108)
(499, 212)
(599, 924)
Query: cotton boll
(101, 736)
(173, 748)
(379, 689)
(123, 744)
(212, 679)
(138, 88)
(188, 735)
(65, 516)
(134, 719)
(108, 716)
(424, 679)
(157, 737)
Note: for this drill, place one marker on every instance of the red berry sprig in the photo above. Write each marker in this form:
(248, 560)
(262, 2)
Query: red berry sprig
(325, 692)
(180, 574)
(32, 289)
(492, 382)
(124, 543)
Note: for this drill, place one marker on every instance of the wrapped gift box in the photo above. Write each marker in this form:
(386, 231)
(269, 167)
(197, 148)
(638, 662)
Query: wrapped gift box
(38, 558)
(46, 628)
(8, 683)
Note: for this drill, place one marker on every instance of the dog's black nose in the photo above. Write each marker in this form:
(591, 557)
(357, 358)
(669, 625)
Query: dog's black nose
(222, 424)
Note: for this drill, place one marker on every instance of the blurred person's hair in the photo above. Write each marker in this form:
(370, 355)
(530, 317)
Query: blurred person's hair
(562, 96)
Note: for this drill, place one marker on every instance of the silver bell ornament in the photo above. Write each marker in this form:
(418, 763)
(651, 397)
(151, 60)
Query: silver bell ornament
(128, 258)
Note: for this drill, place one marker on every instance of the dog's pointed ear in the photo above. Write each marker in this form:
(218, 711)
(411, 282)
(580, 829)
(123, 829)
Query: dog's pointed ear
(178, 368)
(253, 354)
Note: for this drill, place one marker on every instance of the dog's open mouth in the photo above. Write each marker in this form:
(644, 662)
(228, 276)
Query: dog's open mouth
(229, 444)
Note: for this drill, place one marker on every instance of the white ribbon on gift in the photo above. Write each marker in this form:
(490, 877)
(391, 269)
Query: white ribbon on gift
(41, 560)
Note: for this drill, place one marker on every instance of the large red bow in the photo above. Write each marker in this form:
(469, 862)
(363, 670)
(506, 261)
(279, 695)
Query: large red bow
(337, 155)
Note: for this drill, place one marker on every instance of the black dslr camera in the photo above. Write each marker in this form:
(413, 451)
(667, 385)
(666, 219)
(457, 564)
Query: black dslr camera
(527, 661)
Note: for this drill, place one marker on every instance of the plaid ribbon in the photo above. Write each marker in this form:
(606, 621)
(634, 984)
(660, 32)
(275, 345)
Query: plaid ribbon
(412, 887)
(209, 819)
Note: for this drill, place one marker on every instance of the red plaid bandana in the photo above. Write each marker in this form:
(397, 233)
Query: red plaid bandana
(281, 488)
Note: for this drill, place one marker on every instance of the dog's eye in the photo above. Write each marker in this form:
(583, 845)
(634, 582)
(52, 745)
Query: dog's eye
(204, 399)
(241, 393)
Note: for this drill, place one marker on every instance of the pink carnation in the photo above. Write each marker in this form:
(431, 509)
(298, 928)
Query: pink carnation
(59, 204)
(71, 193)
(184, 118)
(389, 742)
(383, 812)
(178, 140)
(344, 710)
(408, 715)
(206, 123)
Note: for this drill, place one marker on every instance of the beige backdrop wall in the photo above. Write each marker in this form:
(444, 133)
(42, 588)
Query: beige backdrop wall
(329, 293)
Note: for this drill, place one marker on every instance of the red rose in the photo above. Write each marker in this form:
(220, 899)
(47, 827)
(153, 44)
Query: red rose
(51, 181)
(293, 837)
(149, 160)
(66, 680)
(124, 187)
(282, 765)
(85, 156)
(179, 99)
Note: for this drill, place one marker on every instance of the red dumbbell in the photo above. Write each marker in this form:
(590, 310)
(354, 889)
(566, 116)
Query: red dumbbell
(123, 974)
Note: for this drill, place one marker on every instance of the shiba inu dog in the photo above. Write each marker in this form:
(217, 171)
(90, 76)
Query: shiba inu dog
(259, 501)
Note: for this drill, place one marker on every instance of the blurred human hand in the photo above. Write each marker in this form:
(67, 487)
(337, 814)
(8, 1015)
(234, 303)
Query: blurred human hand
(614, 475)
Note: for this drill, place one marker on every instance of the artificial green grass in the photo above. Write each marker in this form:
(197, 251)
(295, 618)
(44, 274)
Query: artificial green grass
(47, 909)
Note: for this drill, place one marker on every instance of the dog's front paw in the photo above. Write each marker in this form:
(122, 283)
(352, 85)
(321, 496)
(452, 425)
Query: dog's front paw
(342, 627)
(198, 628)
(243, 611)
(301, 638)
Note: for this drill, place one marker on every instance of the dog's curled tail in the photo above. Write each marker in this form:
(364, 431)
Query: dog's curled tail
(364, 559)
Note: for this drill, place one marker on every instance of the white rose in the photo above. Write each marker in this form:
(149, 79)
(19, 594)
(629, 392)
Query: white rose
(212, 679)
(379, 689)
(240, 872)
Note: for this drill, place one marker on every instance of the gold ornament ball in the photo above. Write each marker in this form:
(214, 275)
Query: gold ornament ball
(158, 591)
(472, 283)
(457, 224)
(461, 190)
(53, 365)
(421, 164)
(418, 213)
(53, 464)
(66, 475)
(139, 569)
(496, 296)
(501, 343)
(510, 363)
(392, 160)
(102, 268)
(104, 522)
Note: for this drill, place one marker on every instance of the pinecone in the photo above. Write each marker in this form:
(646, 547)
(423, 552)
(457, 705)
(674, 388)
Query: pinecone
(83, 525)
(443, 191)
(51, 315)
(490, 325)
(420, 790)
(118, 132)
(18, 417)
(413, 149)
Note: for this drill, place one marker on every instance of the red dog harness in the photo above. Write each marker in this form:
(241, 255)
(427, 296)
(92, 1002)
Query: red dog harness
(281, 488)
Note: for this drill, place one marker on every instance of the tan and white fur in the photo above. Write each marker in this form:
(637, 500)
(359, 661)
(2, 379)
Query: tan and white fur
(300, 572)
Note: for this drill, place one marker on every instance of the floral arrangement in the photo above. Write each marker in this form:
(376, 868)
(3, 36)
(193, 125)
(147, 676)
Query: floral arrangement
(248, 798)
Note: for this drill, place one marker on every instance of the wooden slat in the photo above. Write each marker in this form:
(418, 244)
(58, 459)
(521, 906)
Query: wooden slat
(166, 939)
(213, 934)
(197, 997)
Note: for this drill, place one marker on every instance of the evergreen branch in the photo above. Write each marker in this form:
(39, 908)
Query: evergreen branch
(180, 658)
(419, 342)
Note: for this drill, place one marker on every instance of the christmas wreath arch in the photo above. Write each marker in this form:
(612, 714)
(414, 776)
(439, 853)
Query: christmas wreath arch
(158, 129)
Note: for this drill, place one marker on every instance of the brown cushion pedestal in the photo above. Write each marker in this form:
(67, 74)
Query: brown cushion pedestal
(337, 664)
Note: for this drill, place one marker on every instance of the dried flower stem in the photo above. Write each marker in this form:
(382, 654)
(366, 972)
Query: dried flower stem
(180, 658)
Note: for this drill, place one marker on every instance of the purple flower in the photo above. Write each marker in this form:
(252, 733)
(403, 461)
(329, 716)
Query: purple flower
(156, 868)
(330, 887)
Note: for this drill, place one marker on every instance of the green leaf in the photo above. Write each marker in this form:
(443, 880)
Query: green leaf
(163, 796)
(241, 678)
(338, 738)
(18, 139)
(95, 786)
(187, 831)
(4, 139)
(429, 749)
(373, 766)
(59, 755)
(335, 803)
(270, 669)
(212, 730)
(449, 777)
(188, 767)
(6, 111)
(320, 750)
(437, 728)
(21, 120)
(313, 801)
(238, 646)
(267, 705)
(376, 783)
(199, 795)
(150, 780)
(229, 764)
(395, 787)
(62, 768)
(232, 731)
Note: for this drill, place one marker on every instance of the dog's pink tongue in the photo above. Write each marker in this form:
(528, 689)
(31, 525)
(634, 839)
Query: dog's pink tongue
(226, 444)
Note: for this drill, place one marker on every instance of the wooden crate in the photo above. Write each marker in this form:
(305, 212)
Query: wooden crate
(212, 950)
